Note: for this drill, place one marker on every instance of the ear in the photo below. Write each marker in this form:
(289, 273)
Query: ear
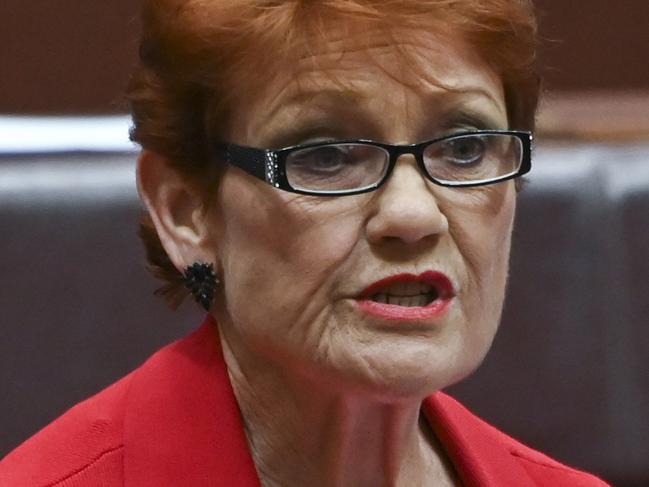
(176, 209)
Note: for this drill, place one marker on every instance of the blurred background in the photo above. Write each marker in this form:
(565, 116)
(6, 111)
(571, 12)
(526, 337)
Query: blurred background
(568, 373)
(74, 57)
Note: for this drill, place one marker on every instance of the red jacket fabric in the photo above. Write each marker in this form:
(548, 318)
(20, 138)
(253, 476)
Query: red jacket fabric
(174, 421)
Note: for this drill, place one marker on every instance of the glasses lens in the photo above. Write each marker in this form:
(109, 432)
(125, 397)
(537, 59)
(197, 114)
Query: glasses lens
(336, 167)
(474, 158)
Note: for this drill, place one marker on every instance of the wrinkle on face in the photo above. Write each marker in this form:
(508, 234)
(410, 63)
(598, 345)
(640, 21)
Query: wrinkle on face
(296, 266)
(329, 77)
(305, 258)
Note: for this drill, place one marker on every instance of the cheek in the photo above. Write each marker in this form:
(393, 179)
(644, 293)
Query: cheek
(281, 252)
(480, 223)
(481, 227)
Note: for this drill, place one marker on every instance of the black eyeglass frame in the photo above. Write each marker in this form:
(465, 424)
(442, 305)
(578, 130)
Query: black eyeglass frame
(270, 165)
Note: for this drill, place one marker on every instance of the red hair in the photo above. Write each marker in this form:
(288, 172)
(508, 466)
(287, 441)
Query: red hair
(197, 55)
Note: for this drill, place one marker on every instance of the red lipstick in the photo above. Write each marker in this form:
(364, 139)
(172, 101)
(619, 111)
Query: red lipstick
(442, 294)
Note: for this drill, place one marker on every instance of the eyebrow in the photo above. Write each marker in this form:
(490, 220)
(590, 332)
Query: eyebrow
(331, 106)
(344, 104)
(351, 96)
(457, 97)
(344, 97)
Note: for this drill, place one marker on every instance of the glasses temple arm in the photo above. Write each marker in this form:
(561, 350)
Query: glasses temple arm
(251, 160)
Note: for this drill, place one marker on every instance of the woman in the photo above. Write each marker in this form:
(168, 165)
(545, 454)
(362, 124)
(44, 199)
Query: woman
(335, 182)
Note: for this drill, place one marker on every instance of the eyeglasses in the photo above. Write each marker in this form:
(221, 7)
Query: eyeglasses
(349, 167)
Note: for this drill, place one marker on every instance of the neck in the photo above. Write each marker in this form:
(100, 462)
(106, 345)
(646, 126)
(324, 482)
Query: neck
(303, 431)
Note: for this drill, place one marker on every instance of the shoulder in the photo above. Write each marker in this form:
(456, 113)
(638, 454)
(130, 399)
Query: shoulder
(543, 469)
(86, 445)
(540, 468)
(86, 442)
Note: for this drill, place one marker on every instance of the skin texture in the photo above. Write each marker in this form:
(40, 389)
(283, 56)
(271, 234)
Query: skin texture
(330, 395)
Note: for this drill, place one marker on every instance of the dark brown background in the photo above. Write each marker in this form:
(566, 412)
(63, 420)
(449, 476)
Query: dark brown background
(74, 56)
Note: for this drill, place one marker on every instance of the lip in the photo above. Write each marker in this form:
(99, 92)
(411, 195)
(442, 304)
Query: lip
(393, 312)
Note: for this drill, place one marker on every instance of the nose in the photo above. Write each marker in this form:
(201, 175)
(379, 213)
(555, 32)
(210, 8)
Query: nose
(405, 208)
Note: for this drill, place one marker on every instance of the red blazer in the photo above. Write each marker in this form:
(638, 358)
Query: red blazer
(174, 421)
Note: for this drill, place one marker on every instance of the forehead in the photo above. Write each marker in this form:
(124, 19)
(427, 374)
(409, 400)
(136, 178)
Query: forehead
(373, 68)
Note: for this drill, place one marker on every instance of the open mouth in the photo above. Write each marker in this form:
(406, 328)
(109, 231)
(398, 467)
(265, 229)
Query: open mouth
(408, 297)
(407, 294)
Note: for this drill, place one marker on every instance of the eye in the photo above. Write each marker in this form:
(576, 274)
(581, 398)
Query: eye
(323, 159)
(464, 150)
(336, 167)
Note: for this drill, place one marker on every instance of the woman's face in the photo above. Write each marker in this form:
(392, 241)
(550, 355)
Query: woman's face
(294, 267)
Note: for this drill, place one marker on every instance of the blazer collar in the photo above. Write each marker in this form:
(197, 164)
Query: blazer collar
(182, 425)
(481, 454)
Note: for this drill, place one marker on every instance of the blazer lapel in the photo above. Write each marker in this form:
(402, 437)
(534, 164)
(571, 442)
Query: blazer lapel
(183, 426)
(479, 452)
(182, 423)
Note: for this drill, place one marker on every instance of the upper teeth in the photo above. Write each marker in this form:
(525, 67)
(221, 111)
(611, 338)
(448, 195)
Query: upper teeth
(413, 288)
(406, 294)
(417, 300)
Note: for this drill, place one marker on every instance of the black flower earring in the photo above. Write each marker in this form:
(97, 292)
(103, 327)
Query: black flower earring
(201, 280)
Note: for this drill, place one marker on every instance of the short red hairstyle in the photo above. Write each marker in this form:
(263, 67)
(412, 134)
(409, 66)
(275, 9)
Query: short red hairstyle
(196, 56)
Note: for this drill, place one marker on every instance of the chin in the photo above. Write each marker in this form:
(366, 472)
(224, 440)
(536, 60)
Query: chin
(404, 369)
